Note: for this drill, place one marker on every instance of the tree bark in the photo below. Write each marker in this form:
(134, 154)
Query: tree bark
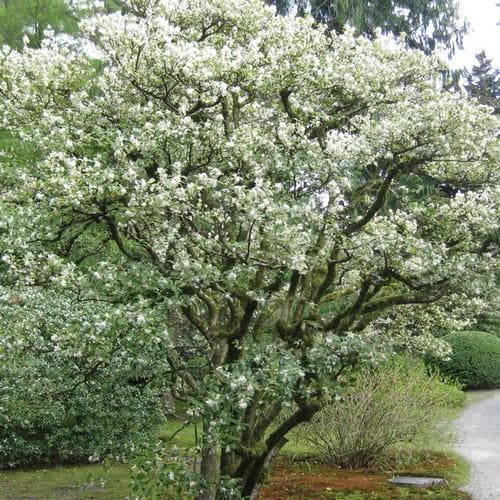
(210, 463)
(229, 463)
(210, 453)
(259, 470)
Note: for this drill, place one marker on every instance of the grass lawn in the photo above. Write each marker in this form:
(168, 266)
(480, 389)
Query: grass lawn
(296, 476)
(68, 482)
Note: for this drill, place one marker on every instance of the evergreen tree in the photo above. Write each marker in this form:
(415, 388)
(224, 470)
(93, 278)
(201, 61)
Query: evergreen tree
(427, 24)
(483, 82)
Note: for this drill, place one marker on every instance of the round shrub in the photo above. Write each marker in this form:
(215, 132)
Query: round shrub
(475, 361)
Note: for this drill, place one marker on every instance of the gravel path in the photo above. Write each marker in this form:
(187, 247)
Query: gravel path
(479, 431)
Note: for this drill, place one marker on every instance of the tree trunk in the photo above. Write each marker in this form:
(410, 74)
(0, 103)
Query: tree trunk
(255, 472)
(209, 467)
(229, 463)
(259, 471)
(210, 456)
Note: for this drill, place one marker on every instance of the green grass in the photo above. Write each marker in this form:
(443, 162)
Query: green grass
(83, 481)
(174, 432)
(68, 482)
(413, 493)
(442, 463)
(459, 473)
(106, 483)
(296, 449)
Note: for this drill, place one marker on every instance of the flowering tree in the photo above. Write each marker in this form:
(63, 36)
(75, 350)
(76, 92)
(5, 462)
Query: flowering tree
(427, 24)
(261, 181)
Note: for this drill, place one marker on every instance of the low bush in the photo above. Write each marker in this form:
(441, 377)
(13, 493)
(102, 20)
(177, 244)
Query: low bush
(398, 402)
(74, 426)
(475, 361)
(75, 383)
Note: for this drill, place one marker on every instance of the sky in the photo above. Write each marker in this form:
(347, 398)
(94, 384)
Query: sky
(483, 17)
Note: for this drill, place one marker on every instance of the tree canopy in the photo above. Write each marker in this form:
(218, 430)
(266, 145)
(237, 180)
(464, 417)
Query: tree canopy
(258, 181)
(427, 24)
(483, 84)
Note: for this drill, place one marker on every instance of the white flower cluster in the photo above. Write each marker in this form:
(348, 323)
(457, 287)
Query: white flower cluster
(303, 201)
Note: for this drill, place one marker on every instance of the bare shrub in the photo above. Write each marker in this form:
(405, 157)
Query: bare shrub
(398, 402)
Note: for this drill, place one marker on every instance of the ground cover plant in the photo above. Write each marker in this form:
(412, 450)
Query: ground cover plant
(298, 475)
(303, 481)
(269, 197)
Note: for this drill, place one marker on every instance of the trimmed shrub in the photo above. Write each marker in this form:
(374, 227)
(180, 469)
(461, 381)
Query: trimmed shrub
(398, 402)
(475, 361)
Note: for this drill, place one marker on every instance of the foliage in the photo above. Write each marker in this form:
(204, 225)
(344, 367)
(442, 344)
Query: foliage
(68, 389)
(427, 24)
(25, 21)
(475, 360)
(483, 82)
(112, 481)
(394, 403)
(30, 18)
(257, 182)
(159, 472)
(489, 320)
